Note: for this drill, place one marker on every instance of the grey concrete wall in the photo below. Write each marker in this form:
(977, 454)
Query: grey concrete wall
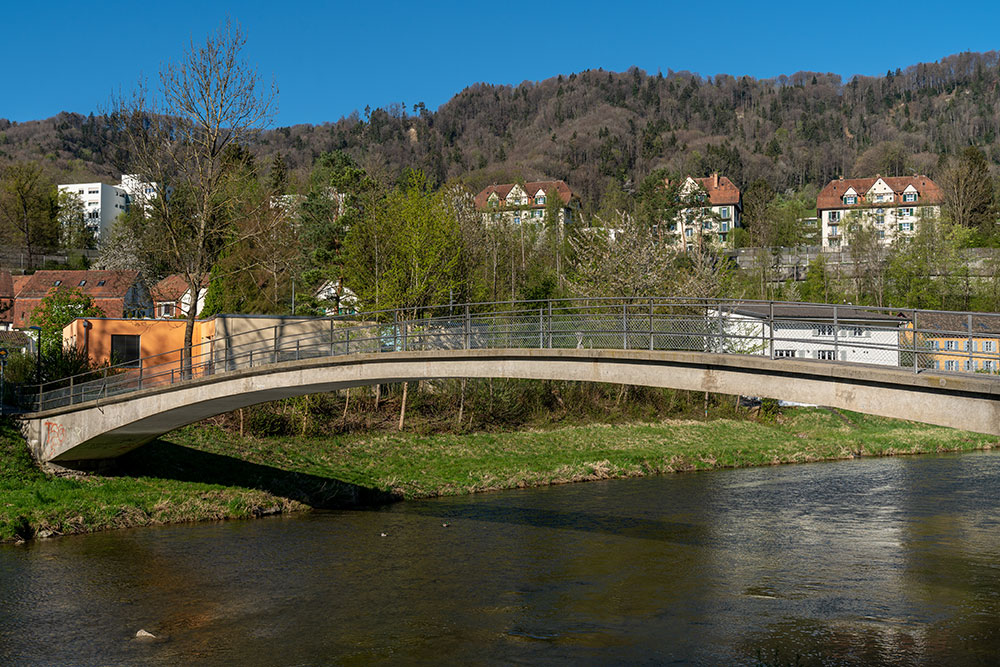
(109, 428)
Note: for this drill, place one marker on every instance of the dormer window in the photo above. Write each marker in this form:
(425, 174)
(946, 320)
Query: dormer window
(910, 196)
(100, 283)
(850, 199)
(82, 283)
(57, 283)
(540, 200)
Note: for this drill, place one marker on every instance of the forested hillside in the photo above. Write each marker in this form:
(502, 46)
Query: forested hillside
(604, 131)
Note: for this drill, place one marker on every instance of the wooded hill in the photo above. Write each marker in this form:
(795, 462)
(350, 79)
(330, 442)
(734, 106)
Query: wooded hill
(602, 132)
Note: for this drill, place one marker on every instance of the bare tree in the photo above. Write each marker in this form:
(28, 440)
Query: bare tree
(175, 142)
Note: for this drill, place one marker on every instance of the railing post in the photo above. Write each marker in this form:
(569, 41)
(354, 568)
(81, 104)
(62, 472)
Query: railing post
(251, 359)
(550, 324)
(402, 328)
(770, 326)
(651, 324)
(916, 366)
(541, 328)
(140, 374)
(624, 325)
(836, 335)
(70, 390)
(275, 359)
(395, 330)
(972, 364)
(468, 329)
(347, 341)
(332, 348)
(297, 350)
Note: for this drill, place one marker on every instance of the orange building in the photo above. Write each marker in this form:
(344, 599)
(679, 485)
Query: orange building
(152, 346)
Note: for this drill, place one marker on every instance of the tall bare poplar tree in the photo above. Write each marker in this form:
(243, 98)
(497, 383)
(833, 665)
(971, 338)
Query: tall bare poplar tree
(175, 138)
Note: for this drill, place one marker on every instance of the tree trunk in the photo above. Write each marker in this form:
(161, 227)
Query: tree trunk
(461, 403)
(402, 407)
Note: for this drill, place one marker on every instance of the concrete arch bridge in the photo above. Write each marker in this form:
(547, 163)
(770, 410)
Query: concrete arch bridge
(877, 361)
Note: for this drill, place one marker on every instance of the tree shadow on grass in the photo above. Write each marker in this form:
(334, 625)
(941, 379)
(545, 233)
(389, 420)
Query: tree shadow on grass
(166, 460)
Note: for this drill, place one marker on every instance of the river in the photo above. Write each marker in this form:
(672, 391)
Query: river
(893, 560)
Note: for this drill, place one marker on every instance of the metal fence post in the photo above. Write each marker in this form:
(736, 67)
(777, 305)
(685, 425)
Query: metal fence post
(770, 326)
(70, 391)
(467, 326)
(836, 335)
(650, 324)
(624, 325)
(550, 324)
(916, 367)
(347, 341)
(970, 344)
(275, 355)
(332, 349)
(541, 328)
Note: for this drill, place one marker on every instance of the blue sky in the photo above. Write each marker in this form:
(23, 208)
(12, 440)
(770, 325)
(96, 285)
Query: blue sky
(333, 57)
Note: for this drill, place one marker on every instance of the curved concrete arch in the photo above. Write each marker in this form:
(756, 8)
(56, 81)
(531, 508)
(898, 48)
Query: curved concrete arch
(108, 428)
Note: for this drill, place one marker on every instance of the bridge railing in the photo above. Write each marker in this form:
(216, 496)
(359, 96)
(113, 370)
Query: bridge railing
(920, 340)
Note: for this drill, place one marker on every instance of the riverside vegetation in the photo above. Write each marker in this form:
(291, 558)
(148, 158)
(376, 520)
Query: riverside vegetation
(317, 452)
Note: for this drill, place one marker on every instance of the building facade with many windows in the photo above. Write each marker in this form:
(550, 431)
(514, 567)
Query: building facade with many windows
(891, 206)
(716, 206)
(522, 203)
(101, 203)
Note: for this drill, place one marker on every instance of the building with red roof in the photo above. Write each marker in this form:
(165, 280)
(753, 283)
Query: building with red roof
(517, 203)
(6, 301)
(172, 296)
(715, 213)
(892, 205)
(117, 293)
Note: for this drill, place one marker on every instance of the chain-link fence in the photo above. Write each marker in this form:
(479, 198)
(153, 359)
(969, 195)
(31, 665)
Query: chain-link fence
(920, 340)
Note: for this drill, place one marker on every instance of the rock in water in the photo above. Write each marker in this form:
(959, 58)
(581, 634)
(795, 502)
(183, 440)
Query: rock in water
(142, 634)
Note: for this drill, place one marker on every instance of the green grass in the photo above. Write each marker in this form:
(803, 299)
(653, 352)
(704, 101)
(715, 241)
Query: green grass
(205, 472)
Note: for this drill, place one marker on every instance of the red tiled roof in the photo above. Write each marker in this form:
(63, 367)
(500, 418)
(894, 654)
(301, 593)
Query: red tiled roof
(928, 192)
(721, 191)
(173, 287)
(530, 188)
(96, 284)
(19, 283)
(6, 298)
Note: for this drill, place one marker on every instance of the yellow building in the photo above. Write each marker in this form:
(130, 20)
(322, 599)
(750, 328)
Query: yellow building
(958, 342)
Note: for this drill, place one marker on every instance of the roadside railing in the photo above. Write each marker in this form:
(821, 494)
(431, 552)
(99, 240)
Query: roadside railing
(920, 340)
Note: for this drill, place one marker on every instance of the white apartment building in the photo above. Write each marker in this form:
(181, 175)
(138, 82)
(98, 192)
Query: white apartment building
(102, 204)
(891, 205)
(716, 210)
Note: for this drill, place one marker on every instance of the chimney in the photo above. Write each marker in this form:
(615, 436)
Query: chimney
(715, 180)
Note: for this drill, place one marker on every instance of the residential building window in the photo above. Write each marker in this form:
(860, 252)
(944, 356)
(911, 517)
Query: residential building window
(689, 232)
(125, 350)
(951, 365)
(853, 331)
(881, 234)
(782, 354)
(970, 364)
(834, 216)
(825, 330)
(834, 230)
(826, 355)
(910, 196)
(937, 365)
(989, 346)
(879, 219)
(989, 365)
(951, 345)
(850, 199)
(541, 200)
(906, 226)
(57, 283)
(965, 345)
(517, 219)
(82, 283)
(724, 227)
(905, 212)
(724, 212)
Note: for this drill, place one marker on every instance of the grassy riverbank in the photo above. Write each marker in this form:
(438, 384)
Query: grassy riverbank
(205, 472)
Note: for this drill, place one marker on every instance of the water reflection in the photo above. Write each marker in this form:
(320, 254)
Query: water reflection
(861, 562)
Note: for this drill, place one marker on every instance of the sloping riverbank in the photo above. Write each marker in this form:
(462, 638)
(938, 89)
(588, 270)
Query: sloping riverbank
(207, 473)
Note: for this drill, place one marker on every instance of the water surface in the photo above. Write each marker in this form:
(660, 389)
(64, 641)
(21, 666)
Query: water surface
(868, 561)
